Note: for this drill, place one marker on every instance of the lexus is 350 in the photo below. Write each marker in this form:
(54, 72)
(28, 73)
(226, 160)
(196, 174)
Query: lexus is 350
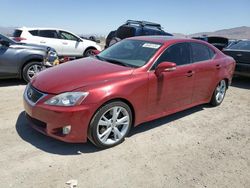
(134, 81)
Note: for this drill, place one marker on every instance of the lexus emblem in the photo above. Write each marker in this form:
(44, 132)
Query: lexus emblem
(30, 93)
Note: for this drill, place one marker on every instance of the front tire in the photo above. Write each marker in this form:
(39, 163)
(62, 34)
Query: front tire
(219, 93)
(110, 125)
(30, 70)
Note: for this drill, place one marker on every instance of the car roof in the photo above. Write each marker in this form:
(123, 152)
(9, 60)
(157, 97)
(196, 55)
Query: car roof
(40, 28)
(165, 39)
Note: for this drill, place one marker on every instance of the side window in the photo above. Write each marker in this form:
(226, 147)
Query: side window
(48, 33)
(34, 32)
(67, 36)
(178, 53)
(200, 52)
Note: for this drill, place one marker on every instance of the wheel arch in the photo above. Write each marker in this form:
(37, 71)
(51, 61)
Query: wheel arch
(32, 59)
(114, 100)
(88, 48)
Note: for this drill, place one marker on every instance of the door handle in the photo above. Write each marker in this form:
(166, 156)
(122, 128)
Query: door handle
(43, 42)
(65, 43)
(238, 55)
(190, 73)
(218, 66)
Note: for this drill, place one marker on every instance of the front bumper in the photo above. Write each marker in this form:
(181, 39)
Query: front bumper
(50, 120)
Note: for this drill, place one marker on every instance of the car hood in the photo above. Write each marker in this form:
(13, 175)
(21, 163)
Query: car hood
(76, 74)
(30, 46)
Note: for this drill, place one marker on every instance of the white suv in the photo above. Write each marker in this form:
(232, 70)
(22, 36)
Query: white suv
(64, 42)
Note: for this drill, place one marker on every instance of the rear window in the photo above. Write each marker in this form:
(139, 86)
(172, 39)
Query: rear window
(201, 52)
(17, 33)
(125, 32)
(242, 45)
(48, 33)
(34, 32)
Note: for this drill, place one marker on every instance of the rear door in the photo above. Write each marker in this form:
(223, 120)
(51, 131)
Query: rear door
(206, 69)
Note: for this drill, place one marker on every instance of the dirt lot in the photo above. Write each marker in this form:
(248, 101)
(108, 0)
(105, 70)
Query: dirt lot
(200, 147)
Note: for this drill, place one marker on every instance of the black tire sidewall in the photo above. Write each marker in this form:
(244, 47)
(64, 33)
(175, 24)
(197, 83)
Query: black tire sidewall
(92, 134)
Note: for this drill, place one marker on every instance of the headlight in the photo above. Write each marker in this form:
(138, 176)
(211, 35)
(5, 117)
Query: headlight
(67, 99)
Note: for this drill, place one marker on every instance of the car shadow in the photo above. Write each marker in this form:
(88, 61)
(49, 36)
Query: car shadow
(165, 120)
(11, 82)
(241, 82)
(54, 146)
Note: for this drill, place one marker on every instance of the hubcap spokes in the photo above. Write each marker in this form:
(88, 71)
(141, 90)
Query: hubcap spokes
(220, 91)
(33, 70)
(113, 125)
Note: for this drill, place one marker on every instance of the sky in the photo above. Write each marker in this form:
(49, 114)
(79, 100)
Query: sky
(102, 16)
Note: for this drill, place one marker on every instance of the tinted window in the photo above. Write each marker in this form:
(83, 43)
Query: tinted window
(48, 33)
(178, 53)
(125, 32)
(34, 32)
(242, 45)
(17, 33)
(67, 36)
(201, 52)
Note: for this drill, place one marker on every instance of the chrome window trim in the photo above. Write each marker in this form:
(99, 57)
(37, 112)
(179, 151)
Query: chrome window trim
(215, 54)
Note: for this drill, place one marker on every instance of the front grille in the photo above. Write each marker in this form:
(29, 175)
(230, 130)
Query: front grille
(33, 95)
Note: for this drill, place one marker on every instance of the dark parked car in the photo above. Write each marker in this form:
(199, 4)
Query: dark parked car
(241, 53)
(19, 60)
(134, 28)
(136, 80)
(218, 42)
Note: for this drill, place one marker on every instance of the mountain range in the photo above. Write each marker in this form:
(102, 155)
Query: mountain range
(232, 33)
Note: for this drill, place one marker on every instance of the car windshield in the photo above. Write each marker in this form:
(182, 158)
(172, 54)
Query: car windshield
(241, 45)
(131, 53)
(2, 37)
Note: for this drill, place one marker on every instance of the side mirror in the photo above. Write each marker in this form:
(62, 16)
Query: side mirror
(165, 67)
(95, 52)
(4, 43)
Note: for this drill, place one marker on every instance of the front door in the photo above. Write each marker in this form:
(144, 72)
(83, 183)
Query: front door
(72, 45)
(172, 90)
(206, 68)
(8, 62)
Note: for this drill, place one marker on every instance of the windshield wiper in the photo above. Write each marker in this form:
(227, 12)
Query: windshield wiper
(119, 62)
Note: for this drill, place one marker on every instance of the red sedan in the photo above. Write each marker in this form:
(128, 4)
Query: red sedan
(136, 80)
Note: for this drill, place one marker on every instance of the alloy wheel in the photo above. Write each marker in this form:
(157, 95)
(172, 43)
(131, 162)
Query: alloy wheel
(113, 125)
(220, 91)
(33, 70)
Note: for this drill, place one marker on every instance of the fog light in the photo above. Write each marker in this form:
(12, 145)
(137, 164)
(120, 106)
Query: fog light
(66, 129)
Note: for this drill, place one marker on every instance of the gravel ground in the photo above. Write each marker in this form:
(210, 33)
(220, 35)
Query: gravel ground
(199, 147)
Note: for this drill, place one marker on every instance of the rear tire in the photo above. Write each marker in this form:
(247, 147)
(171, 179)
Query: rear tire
(110, 125)
(219, 93)
(89, 52)
(30, 70)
